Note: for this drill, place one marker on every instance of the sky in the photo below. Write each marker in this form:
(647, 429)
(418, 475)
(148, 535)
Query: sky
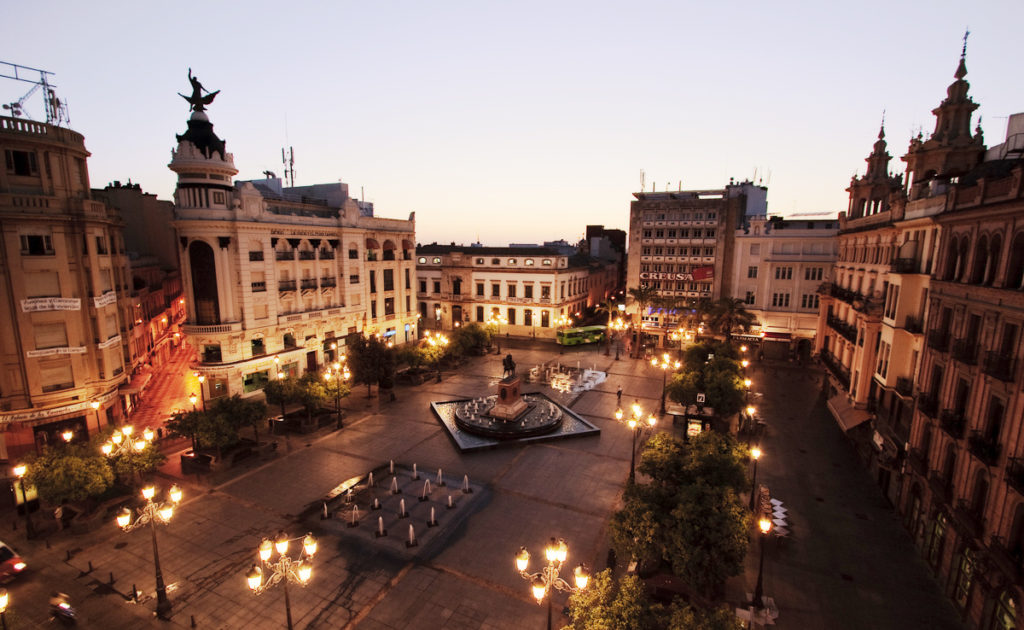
(499, 121)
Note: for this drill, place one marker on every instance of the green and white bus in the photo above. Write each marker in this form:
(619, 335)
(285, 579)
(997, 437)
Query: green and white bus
(583, 334)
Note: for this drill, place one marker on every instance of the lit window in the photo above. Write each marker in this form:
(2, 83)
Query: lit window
(437, 261)
(421, 260)
(479, 261)
(528, 262)
(511, 261)
(546, 262)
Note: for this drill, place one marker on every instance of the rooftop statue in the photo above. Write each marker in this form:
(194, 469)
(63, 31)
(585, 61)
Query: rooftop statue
(197, 100)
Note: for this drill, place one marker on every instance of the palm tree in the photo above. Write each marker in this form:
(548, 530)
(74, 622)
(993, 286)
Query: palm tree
(728, 314)
(641, 296)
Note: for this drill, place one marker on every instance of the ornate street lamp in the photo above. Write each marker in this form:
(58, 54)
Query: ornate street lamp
(19, 472)
(151, 514)
(263, 576)
(664, 364)
(192, 399)
(755, 454)
(636, 426)
(340, 373)
(765, 526)
(437, 341)
(547, 578)
(125, 440)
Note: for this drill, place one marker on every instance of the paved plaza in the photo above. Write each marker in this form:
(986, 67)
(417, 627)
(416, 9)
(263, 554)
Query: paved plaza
(848, 565)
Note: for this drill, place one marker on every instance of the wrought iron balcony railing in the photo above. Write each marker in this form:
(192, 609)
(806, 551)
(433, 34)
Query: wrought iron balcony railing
(984, 447)
(905, 386)
(903, 265)
(965, 351)
(928, 404)
(999, 365)
(953, 423)
(1014, 474)
(938, 340)
(286, 285)
(913, 325)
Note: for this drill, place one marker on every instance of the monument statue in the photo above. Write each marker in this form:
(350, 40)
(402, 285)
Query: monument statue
(197, 101)
(509, 365)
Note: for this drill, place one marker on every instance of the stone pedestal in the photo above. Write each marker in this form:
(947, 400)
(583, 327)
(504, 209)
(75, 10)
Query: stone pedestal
(510, 402)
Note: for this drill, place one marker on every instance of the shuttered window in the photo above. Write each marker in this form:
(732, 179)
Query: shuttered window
(50, 335)
(42, 284)
(56, 375)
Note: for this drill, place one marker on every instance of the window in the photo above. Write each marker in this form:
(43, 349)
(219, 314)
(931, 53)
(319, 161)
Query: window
(389, 279)
(659, 233)
(211, 353)
(751, 272)
(423, 286)
(479, 313)
(495, 289)
(289, 340)
(512, 289)
(646, 251)
(480, 289)
(528, 317)
(749, 299)
(408, 304)
(389, 306)
(437, 286)
(545, 319)
(709, 251)
(408, 283)
(647, 234)
(255, 256)
(479, 261)
(780, 300)
(56, 375)
(511, 261)
(528, 291)
(421, 260)
(50, 335)
(437, 261)
(36, 245)
(353, 279)
(546, 262)
(257, 347)
(495, 261)
(813, 273)
(512, 316)
(528, 262)
(218, 197)
(353, 254)
(809, 300)
(21, 162)
(545, 292)
(783, 273)
(883, 359)
(41, 284)
(709, 234)
(373, 309)
(256, 380)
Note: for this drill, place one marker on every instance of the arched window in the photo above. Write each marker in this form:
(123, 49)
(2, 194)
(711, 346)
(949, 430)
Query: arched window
(978, 261)
(992, 266)
(204, 283)
(965, 561)
(1015, 541)
(979, 496)
(1015, 270)
(388, 250)
(961, 260)
(1004, 613)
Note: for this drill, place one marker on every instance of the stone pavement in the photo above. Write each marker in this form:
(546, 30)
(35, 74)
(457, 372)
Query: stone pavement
(565, 488)
(848, 563)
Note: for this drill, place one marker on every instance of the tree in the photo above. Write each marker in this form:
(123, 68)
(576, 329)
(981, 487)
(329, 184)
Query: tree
(130, 464)
(729, 314)
(311, 393)
(371, 361)
(216, 430)
(641, 296)
(607, 605)
(687, 617)
(280, 391)
(469, 339)
(242, 412)
(716, 459)
(71, 473)
(186, 425)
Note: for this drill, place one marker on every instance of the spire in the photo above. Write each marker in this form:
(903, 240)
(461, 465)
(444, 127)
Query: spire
(881, 129)
(961, 70)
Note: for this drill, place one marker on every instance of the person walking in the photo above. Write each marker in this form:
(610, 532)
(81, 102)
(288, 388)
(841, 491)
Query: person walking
(618, 396)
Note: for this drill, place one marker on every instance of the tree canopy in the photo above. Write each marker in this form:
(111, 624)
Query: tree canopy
(69, 473)
(730, 314)
(372, 362)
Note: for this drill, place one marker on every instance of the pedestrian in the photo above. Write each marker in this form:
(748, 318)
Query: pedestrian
(618, 396)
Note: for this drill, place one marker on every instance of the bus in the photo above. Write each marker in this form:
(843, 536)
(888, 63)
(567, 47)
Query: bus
(583, 334)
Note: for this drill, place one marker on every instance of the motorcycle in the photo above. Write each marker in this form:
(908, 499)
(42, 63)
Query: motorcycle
(61, 610)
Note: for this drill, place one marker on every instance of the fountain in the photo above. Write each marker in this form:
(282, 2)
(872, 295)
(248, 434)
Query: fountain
(369, 480)
(465, 485)
(380, 528)
(355, 516)
(401, 509)
(376, 503)
(451, 502)
(510, 414)
(412, 537)
(394, 485)
(433, 519)
(440, 479)
(415, 475)
(426, 491)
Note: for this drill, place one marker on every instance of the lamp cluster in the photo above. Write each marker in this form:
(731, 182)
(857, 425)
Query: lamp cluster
(125, 440)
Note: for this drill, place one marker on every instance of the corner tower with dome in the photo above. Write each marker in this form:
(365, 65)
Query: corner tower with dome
(276, 278)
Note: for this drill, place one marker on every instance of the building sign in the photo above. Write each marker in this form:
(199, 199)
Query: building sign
(693, 427)
(109, 342)
(107, 298)
(50, 304)
(697, 275)
(40, 414)
(49, 352)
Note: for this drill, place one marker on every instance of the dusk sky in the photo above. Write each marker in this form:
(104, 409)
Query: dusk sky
(519, 121)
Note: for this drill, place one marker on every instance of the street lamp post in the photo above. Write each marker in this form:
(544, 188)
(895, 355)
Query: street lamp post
(192, 398)
(202, 395)
(547, 578)
(125, 441)
(437, 341)
(664, 364)
(19, 472)
(635, 425)
(5, 599)
(765, 525)
(755, 453)
(96, 409)
(338, 374)
(151, 514)
(263, 576)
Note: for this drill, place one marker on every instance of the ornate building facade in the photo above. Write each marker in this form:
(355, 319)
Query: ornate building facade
(276, 278)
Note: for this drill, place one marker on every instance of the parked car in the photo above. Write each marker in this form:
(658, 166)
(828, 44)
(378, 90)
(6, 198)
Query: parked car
(11, 563)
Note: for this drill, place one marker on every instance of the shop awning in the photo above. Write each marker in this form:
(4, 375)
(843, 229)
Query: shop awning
(845, 414)
(137, 384)
(778, 336)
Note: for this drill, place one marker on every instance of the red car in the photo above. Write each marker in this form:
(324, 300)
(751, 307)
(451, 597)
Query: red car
(11, 564)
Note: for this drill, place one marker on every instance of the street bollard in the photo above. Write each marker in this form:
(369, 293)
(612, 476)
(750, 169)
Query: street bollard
(111, 578)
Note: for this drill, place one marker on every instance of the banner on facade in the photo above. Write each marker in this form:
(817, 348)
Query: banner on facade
(697, 275)
(109, 342)
(49, 352)
(32, 305)
(107, 298)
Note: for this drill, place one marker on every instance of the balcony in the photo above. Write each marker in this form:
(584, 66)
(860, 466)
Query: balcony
(905, 386)
(289, 255)
(998, 365)
(840, 293)
(913, 325)
(941, 487)
(326, 254)
(259, 287)
(965, 351)
(918, 461)
(255, 256)
(838, 370)
(308, 283)
(903, 265)
(1014, 474)
(953, 423)
(286, 285)
(969, 518)
(1009, 561)
(328, 282)
(928, 405)
(938, 340)
(984, 447)
(307, 255)
(848, 331)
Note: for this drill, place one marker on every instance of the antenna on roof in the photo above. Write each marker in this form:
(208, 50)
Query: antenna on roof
(643, 176)
(289, 166)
